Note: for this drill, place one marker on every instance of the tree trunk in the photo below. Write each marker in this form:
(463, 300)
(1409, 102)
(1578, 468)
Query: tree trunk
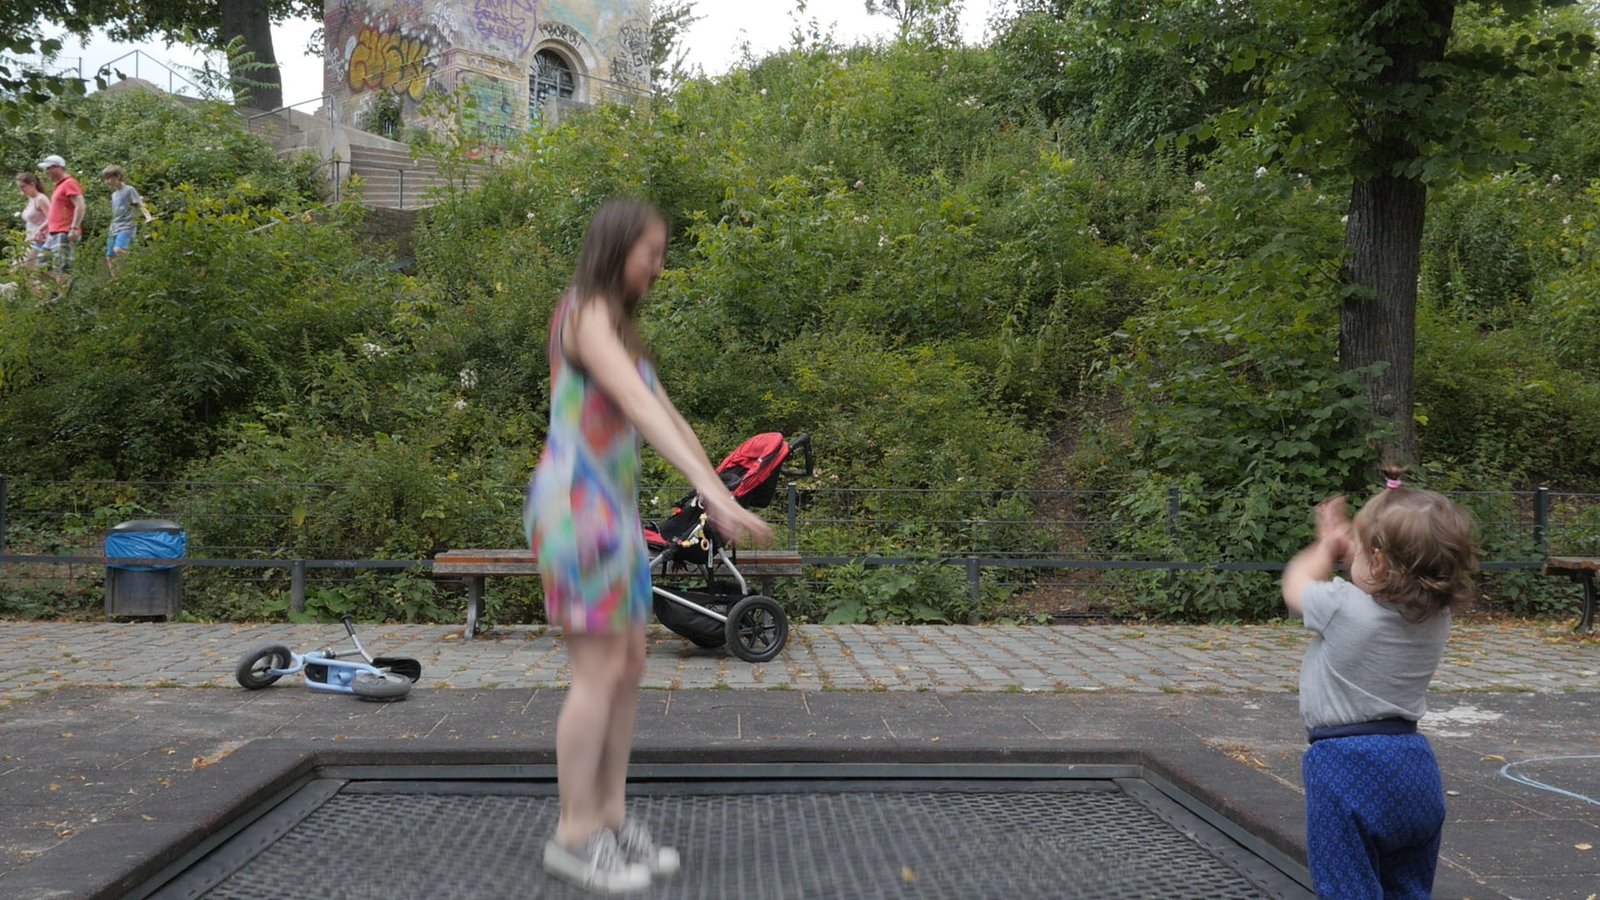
(261, 88)
(1378, 321)
(1383, 237)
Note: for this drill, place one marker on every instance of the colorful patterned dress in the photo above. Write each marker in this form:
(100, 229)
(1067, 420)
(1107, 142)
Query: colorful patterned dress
(581, 515)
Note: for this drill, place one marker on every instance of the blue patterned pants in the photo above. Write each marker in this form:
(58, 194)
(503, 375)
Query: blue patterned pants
(1374, 814)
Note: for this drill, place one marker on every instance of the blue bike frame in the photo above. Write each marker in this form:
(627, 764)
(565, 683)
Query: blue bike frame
(325, 671)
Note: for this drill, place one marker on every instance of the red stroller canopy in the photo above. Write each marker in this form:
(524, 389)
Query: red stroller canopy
(755, 462)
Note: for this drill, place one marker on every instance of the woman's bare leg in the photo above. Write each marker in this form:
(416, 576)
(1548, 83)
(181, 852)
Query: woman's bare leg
(583, 732)
(612, 776)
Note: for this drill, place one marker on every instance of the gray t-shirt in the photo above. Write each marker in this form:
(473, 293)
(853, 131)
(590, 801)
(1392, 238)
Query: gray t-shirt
(1366, 662)
(123, 200)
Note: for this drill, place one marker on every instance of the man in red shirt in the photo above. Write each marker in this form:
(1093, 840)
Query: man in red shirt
(65, 223)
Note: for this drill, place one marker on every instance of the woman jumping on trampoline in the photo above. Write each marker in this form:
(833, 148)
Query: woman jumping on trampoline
(582, 521)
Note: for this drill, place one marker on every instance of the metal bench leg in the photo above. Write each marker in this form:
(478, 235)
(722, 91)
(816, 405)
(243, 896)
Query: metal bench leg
(474, 604)
(1586, 622)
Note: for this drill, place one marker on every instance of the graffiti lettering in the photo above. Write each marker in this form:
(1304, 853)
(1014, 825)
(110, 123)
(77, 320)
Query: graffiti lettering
(492, 104)
(508, 25)
(562, 32)
(388, 61)
(632, 65)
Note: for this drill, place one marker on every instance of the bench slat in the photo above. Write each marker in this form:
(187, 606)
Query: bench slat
(1572, 564)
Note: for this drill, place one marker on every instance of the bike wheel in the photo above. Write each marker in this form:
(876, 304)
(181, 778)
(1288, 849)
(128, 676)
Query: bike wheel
(380, 685)
(252, 671)
(757, 628)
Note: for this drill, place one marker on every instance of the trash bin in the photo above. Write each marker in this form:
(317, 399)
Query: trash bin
(145, 590)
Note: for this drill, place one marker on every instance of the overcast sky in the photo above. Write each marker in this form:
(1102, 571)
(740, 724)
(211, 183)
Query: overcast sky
(714, 43)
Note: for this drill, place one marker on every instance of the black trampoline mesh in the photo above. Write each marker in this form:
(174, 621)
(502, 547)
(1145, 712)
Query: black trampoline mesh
(1091, 840)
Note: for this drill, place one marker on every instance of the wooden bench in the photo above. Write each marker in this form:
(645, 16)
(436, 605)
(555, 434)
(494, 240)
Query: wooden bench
(474, 566)
(1582, 570)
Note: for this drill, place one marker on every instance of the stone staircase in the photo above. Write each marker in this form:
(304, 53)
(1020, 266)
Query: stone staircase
(389, 177)
(392, 179)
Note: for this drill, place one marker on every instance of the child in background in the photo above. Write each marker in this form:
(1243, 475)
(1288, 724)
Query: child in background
(35, 212)
(1374, 797)
(119, 237)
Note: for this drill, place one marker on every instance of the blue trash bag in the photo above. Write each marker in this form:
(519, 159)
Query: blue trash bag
(148, 544)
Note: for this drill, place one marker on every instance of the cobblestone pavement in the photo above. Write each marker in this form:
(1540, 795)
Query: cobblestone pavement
(1493, 657)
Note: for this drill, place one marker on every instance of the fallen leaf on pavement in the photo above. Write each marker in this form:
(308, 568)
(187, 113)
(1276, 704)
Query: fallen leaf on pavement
(1494, 757)
(1584, 846)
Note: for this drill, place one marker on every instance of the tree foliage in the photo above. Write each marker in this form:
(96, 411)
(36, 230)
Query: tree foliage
(953, 281)
(212, 23)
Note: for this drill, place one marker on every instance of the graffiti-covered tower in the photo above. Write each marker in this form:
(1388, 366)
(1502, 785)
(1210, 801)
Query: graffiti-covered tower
(522, 61)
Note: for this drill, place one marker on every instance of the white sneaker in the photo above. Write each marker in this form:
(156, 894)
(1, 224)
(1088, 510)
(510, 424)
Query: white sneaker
(599, 867)
(637, 846)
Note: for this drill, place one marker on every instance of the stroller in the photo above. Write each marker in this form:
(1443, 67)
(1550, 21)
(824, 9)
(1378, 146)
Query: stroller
(720, 609)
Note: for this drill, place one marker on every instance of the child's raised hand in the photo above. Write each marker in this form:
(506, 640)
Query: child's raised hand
(1333, 526)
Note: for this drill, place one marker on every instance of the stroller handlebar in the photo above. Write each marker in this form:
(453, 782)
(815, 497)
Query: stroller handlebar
(801, 444)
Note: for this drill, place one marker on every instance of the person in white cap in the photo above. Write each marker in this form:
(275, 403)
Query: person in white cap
(65, 223)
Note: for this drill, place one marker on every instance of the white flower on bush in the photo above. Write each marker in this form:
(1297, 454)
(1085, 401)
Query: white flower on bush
(1556, 178)
(762, 92)
(1566, 220)
(469, 379)
(459, 405)
(1344, 220)
(373, 351)
(1261, 171)
(1199, 187)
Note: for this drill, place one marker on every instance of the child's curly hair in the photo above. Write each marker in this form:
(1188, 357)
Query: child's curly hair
(1424, 546)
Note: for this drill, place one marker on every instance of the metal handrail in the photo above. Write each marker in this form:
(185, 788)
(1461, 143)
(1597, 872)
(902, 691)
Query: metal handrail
(137, 54)
(249, 120)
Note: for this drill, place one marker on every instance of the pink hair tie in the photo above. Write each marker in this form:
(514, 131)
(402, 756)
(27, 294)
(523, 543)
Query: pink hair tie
(1393, 483)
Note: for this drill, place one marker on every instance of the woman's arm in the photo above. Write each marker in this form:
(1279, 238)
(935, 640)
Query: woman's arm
(597, 349)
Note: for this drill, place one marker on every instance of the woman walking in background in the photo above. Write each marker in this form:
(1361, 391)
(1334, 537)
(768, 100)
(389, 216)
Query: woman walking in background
(582, 521)
(35, 212)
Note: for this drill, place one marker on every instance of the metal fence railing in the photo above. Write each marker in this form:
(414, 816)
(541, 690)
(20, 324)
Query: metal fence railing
(291, 537)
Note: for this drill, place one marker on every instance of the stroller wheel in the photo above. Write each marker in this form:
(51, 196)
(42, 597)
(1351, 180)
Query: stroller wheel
(757, 628)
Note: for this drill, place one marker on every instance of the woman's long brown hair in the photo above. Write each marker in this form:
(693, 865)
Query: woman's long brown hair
(602, 260)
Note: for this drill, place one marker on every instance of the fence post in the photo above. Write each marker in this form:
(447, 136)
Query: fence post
(794, 516)
(1174, 506)
(1541, 521)
(974, 585)
(297, 586)
(4, 480)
